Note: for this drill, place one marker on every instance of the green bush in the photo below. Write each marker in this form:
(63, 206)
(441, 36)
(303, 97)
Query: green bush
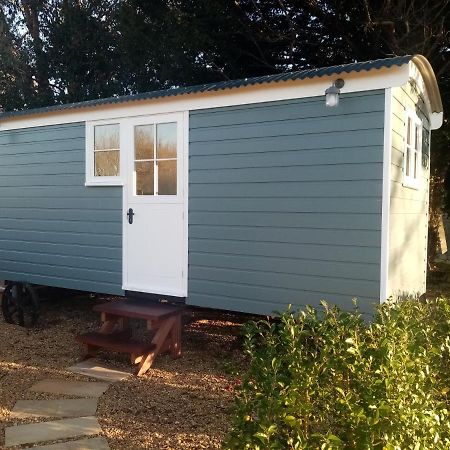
(330, 380)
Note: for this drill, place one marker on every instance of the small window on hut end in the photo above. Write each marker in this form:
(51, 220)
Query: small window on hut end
(412, 157)
(103, 154)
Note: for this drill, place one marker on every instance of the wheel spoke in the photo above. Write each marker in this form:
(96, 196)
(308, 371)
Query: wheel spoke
(20, 319)
(20, 305)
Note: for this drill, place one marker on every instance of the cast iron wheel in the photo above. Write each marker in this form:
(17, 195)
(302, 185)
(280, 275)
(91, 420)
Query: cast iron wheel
(20, 304)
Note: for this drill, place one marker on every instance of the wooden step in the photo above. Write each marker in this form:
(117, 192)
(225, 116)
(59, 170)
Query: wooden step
(139, 309)
(115, 341)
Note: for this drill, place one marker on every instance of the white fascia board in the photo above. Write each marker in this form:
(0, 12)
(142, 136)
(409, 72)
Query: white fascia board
(386, 197)
(284, 90)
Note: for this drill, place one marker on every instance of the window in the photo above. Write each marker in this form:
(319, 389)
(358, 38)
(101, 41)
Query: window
(155, 159)
(425, 148)
(103, 154)
(412, 160)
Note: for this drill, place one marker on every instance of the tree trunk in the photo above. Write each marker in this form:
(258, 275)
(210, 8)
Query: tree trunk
(30, 10)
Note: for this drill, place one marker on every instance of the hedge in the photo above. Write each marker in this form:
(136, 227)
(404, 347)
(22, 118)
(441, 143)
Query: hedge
(328, 379)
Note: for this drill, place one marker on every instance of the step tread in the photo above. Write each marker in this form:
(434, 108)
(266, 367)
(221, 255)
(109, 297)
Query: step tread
(139, 309)
(115, 341)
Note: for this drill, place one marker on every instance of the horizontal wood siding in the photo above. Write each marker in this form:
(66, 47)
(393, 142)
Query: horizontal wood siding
(285, 204)
(53, 230)
(408, 221)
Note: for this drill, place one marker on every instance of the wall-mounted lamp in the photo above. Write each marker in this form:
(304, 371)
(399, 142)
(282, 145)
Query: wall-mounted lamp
(332, 93)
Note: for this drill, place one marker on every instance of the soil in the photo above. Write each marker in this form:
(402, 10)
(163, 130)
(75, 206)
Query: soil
(178, 404)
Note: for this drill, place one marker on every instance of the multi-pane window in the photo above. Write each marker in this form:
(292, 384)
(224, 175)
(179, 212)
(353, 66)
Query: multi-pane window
(107, 150)
(413, 146)
(155, 159)
(425, 148)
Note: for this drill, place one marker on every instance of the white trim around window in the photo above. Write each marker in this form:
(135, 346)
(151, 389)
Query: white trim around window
(412, 156)
(91, 178)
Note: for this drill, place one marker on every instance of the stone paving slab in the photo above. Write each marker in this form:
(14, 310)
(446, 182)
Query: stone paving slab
(97, 369)
(51, 431)
(83, 444)
(66, 387)
(77, 407)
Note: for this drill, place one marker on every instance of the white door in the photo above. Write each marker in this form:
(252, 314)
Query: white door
(155, 237)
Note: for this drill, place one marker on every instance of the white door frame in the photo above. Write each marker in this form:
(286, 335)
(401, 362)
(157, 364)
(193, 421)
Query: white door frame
(126, 153)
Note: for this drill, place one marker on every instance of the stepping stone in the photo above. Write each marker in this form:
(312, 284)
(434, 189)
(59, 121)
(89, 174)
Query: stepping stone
(97, 369)
(83, 444)
(66, 387)
(51, 431)
(77, 407)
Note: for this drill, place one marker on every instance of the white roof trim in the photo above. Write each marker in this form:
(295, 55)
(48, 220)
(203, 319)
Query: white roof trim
(354, 82)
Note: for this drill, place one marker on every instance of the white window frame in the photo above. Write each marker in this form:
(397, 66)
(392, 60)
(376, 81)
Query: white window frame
(91, 178)
(410, 180)
(155, 160)
(156, 119)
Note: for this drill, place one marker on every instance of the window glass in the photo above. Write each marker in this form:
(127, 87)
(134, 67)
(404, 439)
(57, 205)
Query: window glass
(166, 140)
(106, 137)
(425, 147)
(412, 155)
(167, 177)
(106, 150)
(408, 161)
(144, 171)
(144, 142)
(408, 133)
(425, 141)
(155, 168)
(107, 164)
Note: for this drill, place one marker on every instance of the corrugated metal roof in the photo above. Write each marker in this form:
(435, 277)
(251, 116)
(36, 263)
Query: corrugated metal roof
(223, 85)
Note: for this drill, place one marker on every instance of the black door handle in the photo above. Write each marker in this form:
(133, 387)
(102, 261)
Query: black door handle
(130, 215)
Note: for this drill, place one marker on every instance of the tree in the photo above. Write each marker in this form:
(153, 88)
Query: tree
(32, 12)
(73, 50)
(15, 75)
(82, 50)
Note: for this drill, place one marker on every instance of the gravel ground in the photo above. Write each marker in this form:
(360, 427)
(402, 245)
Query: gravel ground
(178, 404)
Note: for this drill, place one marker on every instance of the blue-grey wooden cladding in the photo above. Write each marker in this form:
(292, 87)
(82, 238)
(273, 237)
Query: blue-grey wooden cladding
(285, 204)
(53, 230)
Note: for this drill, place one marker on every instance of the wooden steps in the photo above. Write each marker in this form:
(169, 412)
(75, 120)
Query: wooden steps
(116, 342)
(163, 322)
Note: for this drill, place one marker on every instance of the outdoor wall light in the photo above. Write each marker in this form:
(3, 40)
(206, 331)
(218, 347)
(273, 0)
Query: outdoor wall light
(332, 93)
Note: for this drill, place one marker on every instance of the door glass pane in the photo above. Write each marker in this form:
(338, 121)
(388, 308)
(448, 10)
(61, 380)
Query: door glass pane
(144, 142)
(106, 163)
(106, 137)
(416, 142)
(166, 134)
(167, 177)
(144, 171)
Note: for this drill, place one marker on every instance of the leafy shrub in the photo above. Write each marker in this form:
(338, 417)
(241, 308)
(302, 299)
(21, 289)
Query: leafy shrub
(330, 380)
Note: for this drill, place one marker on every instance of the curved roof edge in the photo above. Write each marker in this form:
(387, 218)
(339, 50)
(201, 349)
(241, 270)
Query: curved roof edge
(430, 81)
